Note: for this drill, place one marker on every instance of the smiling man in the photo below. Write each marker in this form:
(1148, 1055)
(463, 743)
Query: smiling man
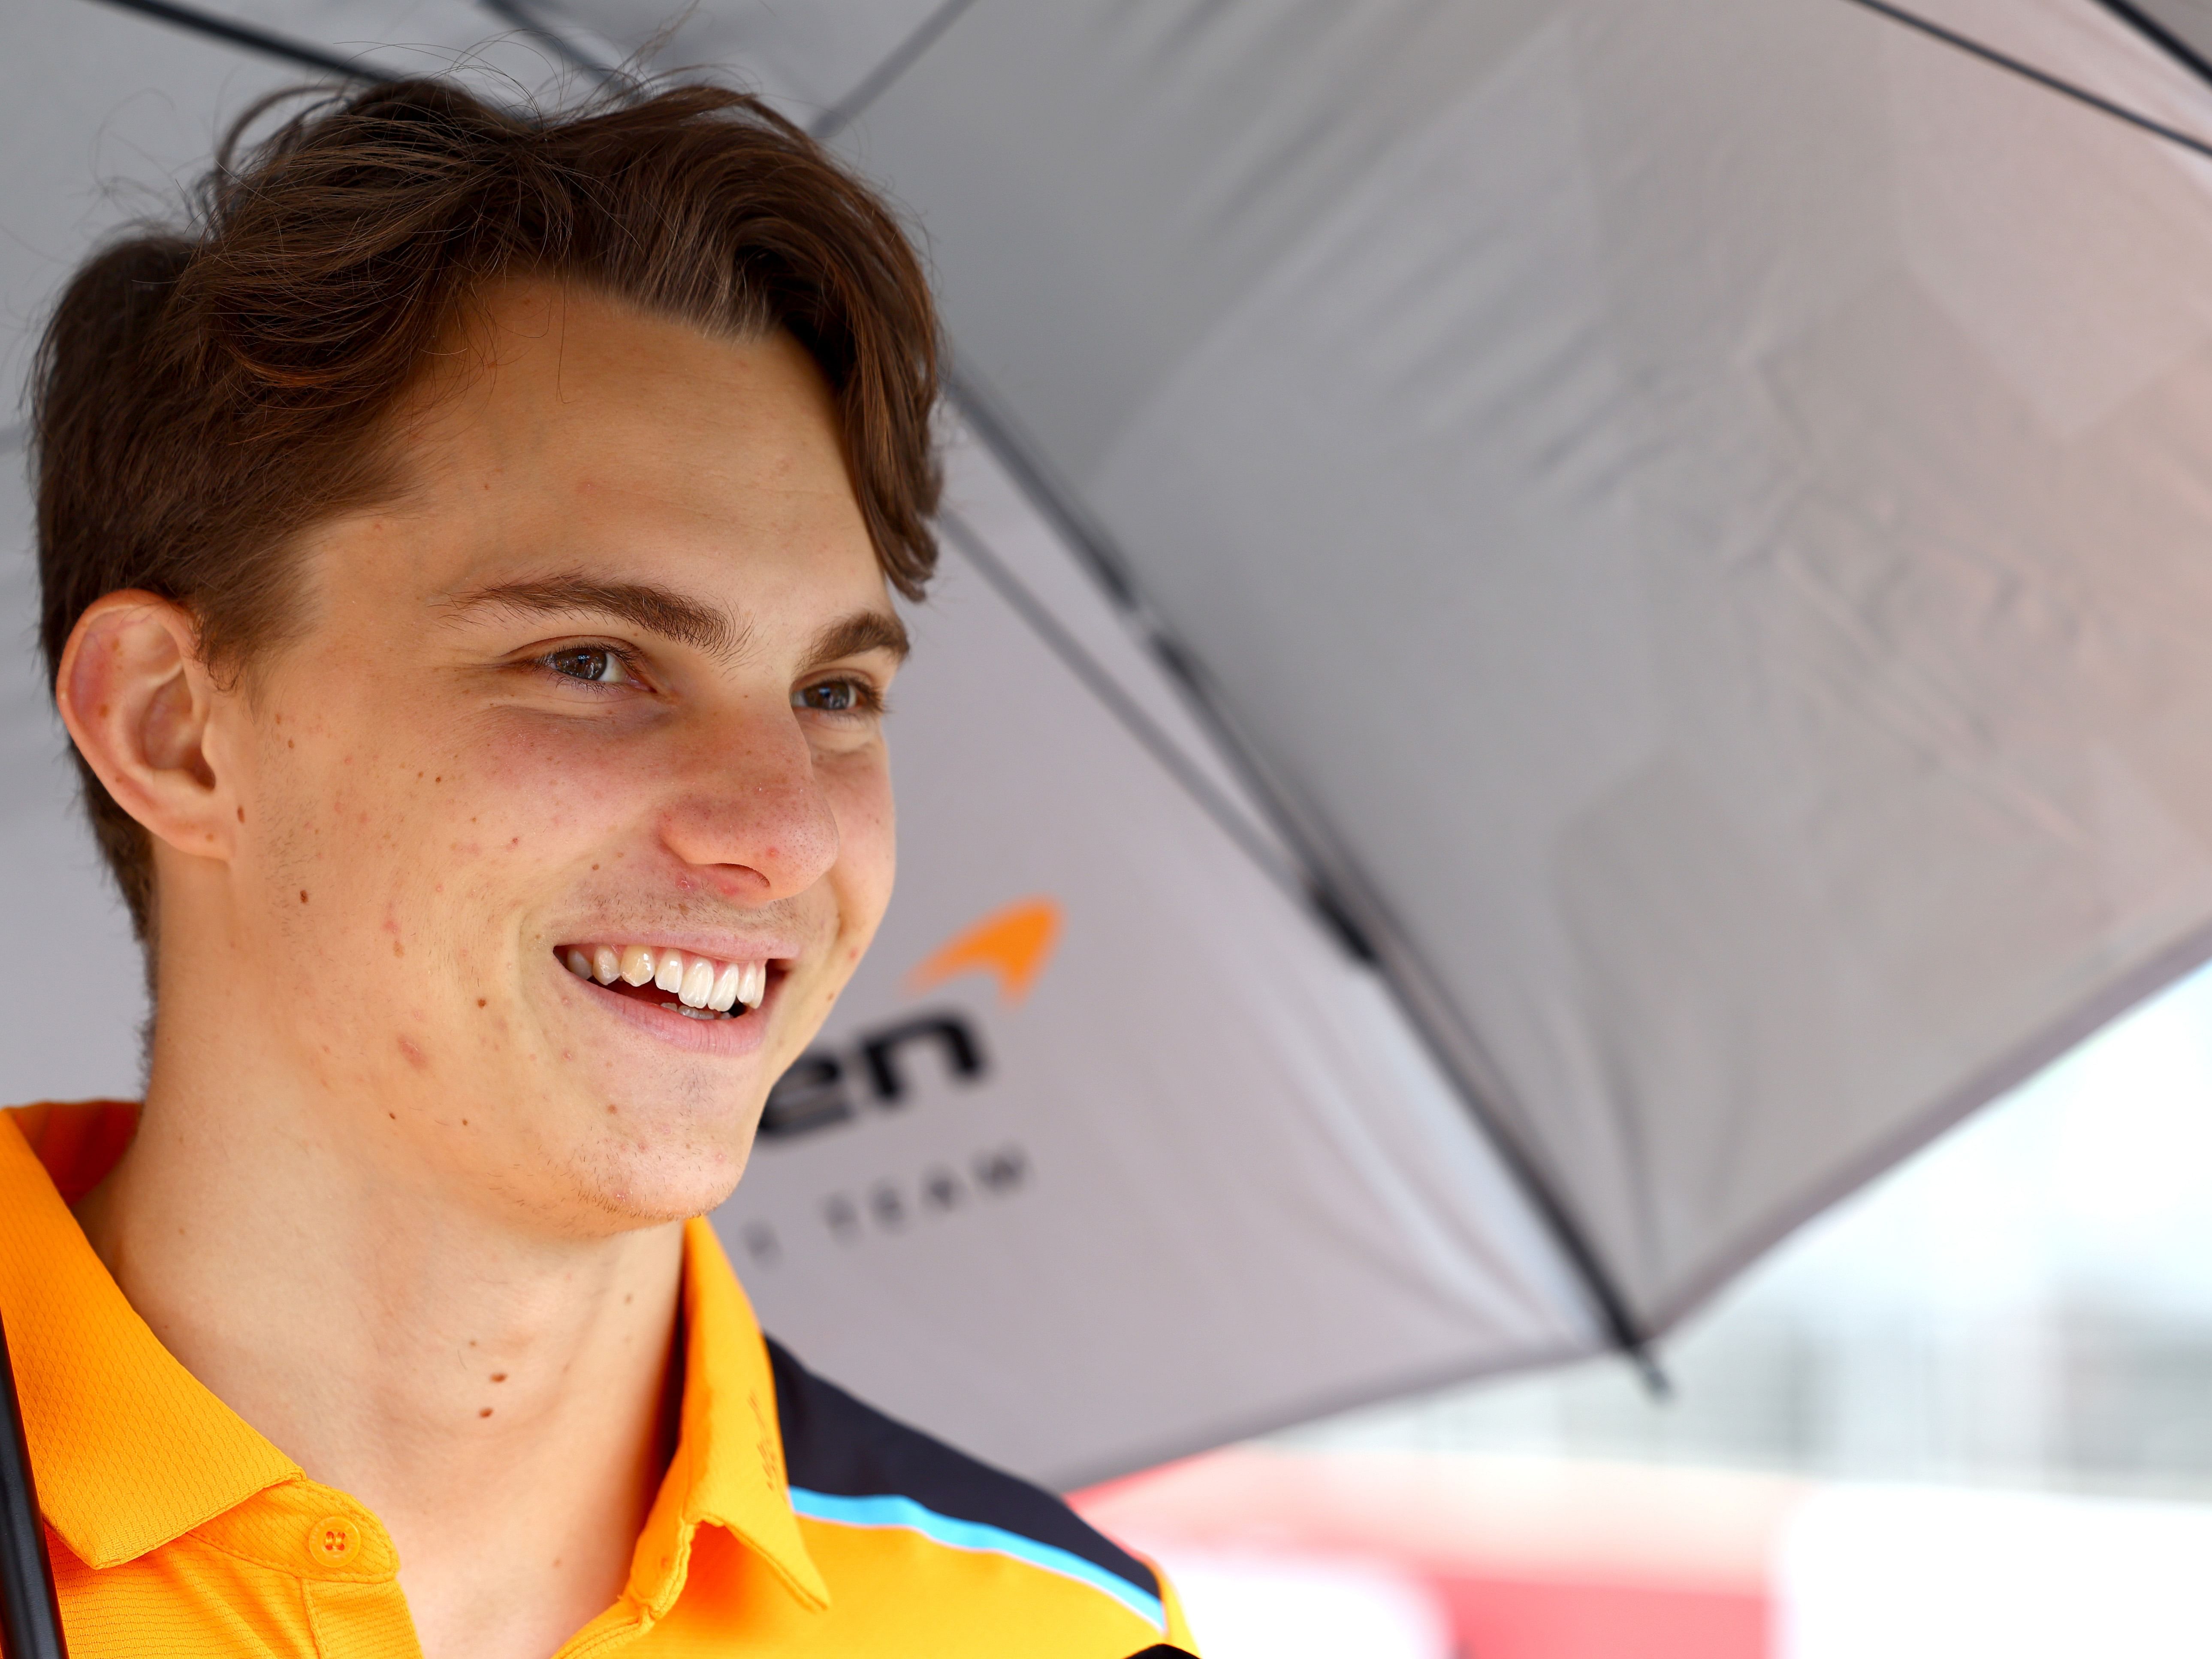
(467, 556)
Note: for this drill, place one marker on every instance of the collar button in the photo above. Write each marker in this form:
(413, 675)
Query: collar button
(334, 1541)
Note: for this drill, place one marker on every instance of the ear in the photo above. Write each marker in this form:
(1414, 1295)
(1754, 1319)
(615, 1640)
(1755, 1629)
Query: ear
(138, 701)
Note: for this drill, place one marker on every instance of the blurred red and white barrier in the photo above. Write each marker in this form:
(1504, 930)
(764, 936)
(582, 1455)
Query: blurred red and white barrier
(1420, 1555)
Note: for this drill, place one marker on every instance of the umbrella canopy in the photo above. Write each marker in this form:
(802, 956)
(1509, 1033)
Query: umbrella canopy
(1568, 626)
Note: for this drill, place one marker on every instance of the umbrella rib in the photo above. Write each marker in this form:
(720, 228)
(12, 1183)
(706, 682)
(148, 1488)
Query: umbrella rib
(1095, 550)
(523, 18)
(1302, 880)
(2164, 37)
(880, 80)
(254, 40)
(2050, 82)
(1099, 681)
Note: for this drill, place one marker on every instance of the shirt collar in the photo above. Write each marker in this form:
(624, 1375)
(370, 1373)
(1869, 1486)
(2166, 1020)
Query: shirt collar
(728, 1469)
(130, 1450)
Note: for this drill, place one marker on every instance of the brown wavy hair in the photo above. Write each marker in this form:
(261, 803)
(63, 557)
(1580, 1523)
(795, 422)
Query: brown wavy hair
(204, 393)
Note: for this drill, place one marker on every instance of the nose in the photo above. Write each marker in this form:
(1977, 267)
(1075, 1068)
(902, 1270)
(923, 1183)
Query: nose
(753, 816)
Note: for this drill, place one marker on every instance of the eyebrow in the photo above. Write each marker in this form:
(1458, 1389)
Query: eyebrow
(656, 610)
(675, 615)
(857, 635)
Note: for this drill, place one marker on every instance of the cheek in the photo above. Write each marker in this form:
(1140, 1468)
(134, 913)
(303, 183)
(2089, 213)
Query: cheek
(479, 820)
(402, 823)
(351, 843)
(867, 851)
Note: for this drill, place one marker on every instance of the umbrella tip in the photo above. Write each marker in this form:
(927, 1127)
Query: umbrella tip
(1657, 1382)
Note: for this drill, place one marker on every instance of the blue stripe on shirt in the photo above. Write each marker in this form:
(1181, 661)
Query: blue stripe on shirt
(892, 1510)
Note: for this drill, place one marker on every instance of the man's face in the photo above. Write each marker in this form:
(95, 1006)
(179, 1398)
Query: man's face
(605, 682)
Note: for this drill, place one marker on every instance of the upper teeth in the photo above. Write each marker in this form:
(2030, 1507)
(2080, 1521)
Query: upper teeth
(697, 981)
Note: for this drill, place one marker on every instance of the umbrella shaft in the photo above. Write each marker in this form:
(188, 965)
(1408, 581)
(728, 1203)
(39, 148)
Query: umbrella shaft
(30, 1616)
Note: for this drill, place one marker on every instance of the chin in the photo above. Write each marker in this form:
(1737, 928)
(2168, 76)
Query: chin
(632, 1187)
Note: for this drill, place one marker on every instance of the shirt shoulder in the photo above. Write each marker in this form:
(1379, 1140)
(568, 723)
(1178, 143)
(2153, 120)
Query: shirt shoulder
(886, 1499)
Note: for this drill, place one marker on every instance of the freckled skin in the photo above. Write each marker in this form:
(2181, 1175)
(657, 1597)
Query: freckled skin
(388, 728)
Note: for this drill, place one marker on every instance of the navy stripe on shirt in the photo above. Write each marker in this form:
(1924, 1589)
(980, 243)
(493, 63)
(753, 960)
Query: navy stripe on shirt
(835, 1444)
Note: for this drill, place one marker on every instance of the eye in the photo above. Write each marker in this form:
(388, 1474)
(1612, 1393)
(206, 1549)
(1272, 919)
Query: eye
(839, 697)
(600, 664)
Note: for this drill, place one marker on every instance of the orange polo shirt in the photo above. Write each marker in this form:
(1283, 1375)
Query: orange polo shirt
(794, 1521)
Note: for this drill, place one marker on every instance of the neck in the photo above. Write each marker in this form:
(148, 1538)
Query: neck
(500, 1399)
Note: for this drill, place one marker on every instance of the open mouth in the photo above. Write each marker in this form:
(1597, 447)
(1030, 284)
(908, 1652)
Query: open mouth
(695, 987)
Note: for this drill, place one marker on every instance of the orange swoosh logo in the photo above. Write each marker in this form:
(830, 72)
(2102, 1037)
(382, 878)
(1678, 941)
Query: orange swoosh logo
(1013, 945)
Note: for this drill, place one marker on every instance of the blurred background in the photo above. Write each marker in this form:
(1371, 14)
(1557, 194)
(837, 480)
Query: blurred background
(1968, 1411)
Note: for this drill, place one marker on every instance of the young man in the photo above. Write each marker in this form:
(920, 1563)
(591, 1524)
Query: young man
(465, 558)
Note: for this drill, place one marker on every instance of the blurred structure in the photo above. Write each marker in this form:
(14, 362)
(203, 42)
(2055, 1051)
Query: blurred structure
(1969, 1411)
(2028, 1303)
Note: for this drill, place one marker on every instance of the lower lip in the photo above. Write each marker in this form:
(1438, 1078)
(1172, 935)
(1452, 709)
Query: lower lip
(731, 1038)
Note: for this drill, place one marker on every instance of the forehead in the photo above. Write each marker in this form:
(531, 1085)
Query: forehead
(558, 433)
